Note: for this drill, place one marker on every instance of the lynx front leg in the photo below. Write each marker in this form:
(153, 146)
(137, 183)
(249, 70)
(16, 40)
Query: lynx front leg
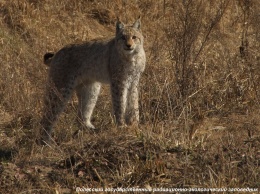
(132, 108)
(119, 99)
(87, 96)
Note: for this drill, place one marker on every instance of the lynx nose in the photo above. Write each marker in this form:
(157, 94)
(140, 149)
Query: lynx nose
(128, 45)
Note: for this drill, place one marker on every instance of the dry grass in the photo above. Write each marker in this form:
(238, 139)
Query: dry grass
(200, 99)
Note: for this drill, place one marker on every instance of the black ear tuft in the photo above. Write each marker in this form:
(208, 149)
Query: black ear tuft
(119, 25)
(137, 23)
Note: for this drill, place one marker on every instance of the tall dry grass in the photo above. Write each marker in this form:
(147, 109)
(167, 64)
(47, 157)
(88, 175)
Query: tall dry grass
(199, 97)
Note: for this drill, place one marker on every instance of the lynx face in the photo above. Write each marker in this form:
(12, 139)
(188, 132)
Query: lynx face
(129, 38)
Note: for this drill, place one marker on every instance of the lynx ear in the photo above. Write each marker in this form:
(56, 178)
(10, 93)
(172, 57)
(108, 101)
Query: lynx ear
(137, 23)
(119, 25)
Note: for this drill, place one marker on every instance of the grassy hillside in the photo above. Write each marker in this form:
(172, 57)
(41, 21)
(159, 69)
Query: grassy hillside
(199, 97)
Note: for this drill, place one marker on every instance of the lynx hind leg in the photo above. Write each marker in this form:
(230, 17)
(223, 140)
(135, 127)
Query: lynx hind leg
(87, 94)
(54, 104)
(132, 108)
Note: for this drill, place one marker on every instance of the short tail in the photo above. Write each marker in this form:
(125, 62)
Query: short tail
(47, 58)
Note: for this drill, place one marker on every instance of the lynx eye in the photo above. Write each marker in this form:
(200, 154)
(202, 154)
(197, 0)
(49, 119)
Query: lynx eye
(123, 38)
(134, 37)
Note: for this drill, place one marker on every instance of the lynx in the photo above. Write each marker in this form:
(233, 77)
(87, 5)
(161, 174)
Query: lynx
(117, 61)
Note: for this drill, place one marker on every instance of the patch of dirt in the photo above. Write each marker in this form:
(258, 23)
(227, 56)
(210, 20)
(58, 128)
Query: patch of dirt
(5, 117)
